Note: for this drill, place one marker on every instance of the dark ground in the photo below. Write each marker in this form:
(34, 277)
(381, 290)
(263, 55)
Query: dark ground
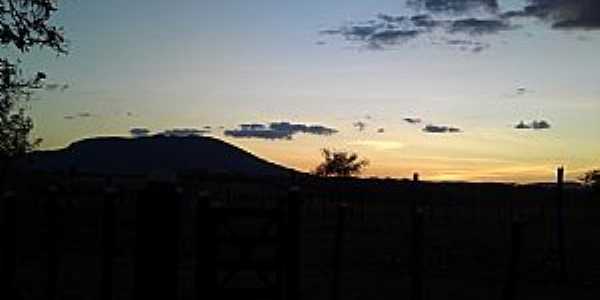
(466, 241)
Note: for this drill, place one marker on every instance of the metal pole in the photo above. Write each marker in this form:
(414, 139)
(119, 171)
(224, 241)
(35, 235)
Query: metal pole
(560, 229)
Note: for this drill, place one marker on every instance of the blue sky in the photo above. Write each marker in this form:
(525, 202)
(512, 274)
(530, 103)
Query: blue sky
(161, 65)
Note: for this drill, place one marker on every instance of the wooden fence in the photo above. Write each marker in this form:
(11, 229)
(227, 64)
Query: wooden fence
(226, 247)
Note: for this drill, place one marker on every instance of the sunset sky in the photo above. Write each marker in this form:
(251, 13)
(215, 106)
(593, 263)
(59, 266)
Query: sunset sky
(437, 87)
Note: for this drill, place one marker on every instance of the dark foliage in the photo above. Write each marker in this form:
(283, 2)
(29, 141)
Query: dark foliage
(592, 179)
(339, 163)
(23, 25)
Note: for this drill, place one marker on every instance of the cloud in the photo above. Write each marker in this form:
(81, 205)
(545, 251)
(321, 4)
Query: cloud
(360, 125)
(386, 31)
(379, 145)
(56, 87)
(183, 132)
(380, 130)
(540, 124)
(80, 115)
(474, 26)
(302, 128)
(522, 125)
(467, 45)
(266, 134)
(535, 125)
(453, 6)
(253, 126)
(562, 14)
(139, 132)
(412, 120)
(277, 130)
(441, 129)
(440, 19)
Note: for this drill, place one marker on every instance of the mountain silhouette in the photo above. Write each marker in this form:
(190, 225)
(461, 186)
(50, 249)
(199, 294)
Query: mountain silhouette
(155, 154)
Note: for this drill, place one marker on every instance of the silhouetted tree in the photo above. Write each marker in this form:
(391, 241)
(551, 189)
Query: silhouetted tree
(24, 24)
(339, 163)
(592, 179)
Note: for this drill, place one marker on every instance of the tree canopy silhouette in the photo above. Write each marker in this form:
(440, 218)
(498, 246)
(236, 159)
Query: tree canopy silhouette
(24, 24)
(340, 163)
(592, 179)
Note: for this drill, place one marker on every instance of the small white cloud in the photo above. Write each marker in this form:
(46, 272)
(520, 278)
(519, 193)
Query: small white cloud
(379, 145)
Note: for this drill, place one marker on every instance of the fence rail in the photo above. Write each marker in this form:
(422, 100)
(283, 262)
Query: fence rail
(229, 241)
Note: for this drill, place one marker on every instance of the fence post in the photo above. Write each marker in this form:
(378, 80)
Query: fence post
(293, 259)
(417, 236)
(510, 287)
(108, 243)
(206, 247)
(338, 251)
(560, 226)
(9, 247)
(52, 243)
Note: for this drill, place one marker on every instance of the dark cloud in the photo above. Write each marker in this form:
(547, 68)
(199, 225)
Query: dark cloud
(522, 91)
(139, 132)
(360, 125)
(468, 45)
(253, 126)
(540, 124)
(259, 134)
(56, 87)
(562, 14)
(471, 17)
(387, 30)
(425, 21)
(52, 86)
(392, 36)
(474, 26)
(535, 125)
(412, 120)
(384, 30)
(440, 129)
(81, 115)
(391, 19)
(183, 132)
(453, 6)
(277, 130)
(522, 125)
(302, 128)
